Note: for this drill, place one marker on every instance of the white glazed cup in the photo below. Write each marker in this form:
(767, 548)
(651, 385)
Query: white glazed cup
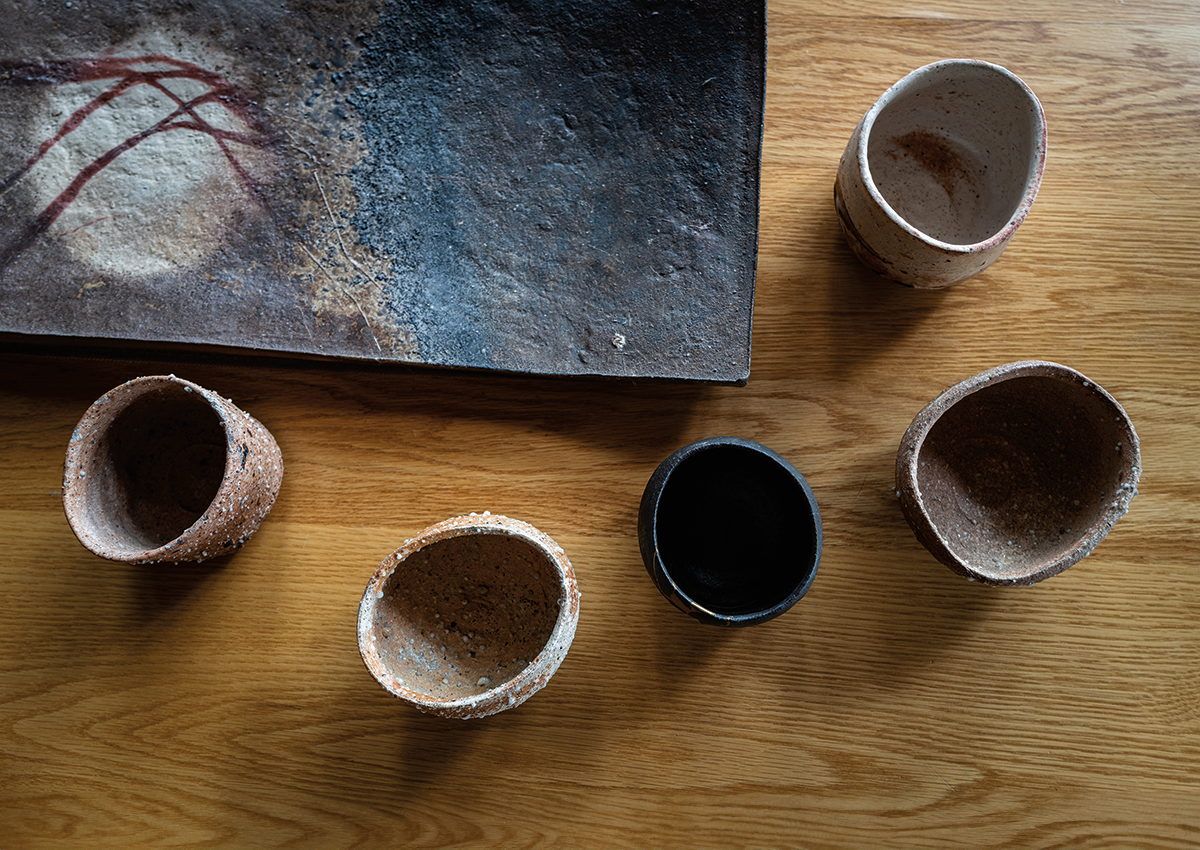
(940, 172)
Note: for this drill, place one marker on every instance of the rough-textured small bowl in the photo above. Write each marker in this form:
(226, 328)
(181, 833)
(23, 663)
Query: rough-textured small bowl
(470, 617)
(161, 469)
(1017, 473)
(730, 532)
(940, 172)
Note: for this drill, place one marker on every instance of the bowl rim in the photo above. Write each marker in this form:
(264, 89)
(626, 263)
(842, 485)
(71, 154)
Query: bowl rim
(648, 534)
(913, 506)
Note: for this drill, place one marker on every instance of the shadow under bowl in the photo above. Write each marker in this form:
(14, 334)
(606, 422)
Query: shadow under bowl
(1017, 473)
(730, 532)
(470, 617)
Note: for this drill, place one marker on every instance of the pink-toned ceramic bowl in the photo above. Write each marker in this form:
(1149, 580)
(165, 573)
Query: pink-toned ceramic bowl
(470, 617)
(161, 469)
(1016, 473)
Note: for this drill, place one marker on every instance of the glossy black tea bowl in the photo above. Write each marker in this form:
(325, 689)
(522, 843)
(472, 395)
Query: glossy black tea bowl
(730, 532)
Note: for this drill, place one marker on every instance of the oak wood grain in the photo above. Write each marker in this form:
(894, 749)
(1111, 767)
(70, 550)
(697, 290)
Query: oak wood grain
(224, 705)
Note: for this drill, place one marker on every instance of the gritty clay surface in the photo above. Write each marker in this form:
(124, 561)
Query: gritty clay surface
(940, 173)
(470, 617)
(1017, 473)
(161, 469)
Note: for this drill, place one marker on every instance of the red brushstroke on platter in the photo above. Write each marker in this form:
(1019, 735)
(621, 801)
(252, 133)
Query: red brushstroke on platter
(127, 75)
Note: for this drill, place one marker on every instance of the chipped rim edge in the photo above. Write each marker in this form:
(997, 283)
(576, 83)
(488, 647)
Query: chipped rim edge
(537, 673)
(913, 506)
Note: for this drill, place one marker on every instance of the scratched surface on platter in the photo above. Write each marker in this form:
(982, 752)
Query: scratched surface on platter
(545, 186)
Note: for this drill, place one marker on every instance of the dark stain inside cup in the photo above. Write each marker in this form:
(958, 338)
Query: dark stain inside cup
(157, 469)
(734, 530)
(936, 156)
(465, 614)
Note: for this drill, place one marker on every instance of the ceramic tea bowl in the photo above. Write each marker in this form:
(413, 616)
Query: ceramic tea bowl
(1015, 474)
(161, 469)
(730, 532)
(940, 172)
(470, 617)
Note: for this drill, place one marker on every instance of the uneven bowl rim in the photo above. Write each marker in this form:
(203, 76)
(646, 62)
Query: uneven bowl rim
(1032, 187)
(648, 535)
(514, 691)
(72, 496)
(913, 506)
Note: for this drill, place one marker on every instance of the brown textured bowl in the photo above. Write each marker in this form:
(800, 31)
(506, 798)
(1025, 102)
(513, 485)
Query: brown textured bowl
(1015, 474)
(161, 469)
(470, 617)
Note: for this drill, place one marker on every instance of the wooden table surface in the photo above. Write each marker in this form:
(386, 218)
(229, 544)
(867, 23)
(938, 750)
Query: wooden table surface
(225, 705)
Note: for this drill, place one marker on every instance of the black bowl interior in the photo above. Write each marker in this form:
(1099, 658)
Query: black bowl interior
(735, 530)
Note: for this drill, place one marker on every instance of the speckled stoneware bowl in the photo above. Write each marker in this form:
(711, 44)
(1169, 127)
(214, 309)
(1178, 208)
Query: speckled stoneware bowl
(940, 172)
(470, 617)
(1017, 473)
(161, 469)
(730, 532)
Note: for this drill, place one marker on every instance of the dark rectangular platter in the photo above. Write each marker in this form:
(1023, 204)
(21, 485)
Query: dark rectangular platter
(563, 188)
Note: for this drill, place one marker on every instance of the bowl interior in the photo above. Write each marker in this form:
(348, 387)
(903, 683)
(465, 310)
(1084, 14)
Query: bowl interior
(1014, 475)
(155, 469)
(465, 614)
(954, 151)
(735, 531)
